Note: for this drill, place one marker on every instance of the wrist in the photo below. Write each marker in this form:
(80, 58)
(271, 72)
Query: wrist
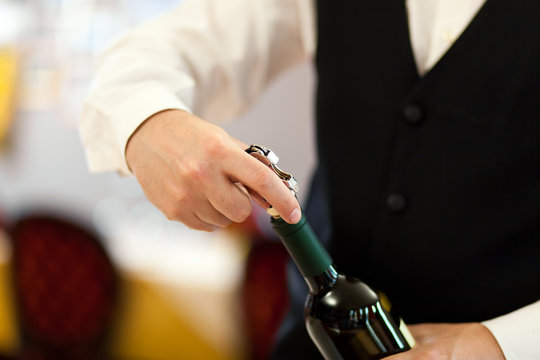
(148, 129)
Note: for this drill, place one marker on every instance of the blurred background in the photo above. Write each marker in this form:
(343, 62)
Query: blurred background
(89, 269)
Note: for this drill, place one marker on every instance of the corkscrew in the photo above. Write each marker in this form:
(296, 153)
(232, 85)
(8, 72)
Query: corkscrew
(270, 159)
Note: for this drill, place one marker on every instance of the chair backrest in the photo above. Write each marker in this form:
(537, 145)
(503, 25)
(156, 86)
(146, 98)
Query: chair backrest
(65, 287)
(264, 296)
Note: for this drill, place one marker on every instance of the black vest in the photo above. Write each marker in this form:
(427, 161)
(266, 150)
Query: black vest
(432, 183)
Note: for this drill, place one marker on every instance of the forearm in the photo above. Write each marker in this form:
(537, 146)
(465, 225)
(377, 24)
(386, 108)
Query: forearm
(212, 58)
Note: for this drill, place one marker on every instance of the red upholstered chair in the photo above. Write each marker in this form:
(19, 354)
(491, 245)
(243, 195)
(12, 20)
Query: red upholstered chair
(65, 287)
(265, 296)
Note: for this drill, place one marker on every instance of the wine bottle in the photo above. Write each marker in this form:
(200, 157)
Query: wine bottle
(344, 317)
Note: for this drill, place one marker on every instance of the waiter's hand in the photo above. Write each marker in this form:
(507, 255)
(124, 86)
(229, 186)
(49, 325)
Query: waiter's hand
(467, 341)
(195, 173)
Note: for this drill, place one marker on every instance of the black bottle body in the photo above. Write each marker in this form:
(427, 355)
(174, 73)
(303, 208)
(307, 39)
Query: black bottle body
(349, 322)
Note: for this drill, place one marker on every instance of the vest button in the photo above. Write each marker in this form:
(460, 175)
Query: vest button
(396, 203)
(413, 113)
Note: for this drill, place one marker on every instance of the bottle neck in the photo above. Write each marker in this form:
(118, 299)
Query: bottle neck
(310, 257)
(323, 282)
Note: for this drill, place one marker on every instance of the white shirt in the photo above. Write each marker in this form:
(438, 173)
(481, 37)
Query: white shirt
(215, 57)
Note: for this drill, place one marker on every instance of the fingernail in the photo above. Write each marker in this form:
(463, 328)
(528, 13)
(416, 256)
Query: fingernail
(295, 216)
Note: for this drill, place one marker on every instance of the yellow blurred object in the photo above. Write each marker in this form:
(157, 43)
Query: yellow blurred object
(148, 327)
(8, 80)
(9, 340)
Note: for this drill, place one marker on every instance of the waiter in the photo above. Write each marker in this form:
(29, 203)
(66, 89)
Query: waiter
(437, 102)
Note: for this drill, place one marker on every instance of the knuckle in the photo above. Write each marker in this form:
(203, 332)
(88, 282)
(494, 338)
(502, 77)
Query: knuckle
(172, 214)
(179, 197)
(216, 144)
(240, 214)
(196, 171)
(177, 206)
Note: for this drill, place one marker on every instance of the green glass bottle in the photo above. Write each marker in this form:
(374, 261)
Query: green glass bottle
(344, 317)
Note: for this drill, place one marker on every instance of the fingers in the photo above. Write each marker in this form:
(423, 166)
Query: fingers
(263, 181)
(259, 200)
(213, 209)
(213, 217)
(193, 221)
(230, 199)
(203, 217)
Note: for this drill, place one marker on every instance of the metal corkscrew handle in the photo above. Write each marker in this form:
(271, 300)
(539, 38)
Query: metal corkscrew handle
(270, 159)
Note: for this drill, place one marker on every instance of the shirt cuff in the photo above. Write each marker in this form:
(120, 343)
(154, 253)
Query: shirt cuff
(132, 112)
(518, 332)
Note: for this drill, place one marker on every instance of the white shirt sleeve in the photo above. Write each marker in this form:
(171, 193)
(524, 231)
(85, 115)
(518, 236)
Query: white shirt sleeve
(210, 57)
(518, 333)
